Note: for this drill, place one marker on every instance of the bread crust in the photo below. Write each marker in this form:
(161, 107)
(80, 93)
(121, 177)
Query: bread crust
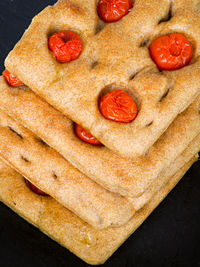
(55, 175)
(164, 176)
(128, 177)
(121, 52)
(49, 171)
(91, 245)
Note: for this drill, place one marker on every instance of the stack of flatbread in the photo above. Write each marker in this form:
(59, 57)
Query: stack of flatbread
(97, 195)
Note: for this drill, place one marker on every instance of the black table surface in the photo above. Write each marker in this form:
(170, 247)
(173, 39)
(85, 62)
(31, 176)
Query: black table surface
(169, 237)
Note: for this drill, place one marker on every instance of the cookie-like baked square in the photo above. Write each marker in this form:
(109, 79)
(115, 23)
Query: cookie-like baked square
(115, 56)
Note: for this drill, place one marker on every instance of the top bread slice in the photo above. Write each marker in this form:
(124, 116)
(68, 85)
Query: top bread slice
(129, 177)
(114, 56)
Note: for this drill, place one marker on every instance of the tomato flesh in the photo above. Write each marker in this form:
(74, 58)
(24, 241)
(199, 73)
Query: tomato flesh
(35, 189)
(85, 136)
(113, 10)
(66, 46)
(11, 79)
(171, 52)
(118, 106)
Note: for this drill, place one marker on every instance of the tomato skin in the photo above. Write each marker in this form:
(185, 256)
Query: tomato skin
(35, 189)
(65, 45)
(171, 52)
(113, 10)
(11, 79)
(118, 106)
(85, 136)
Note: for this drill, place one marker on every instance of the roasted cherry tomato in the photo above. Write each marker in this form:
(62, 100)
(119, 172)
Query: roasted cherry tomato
(118, 106)
(171, 52)
(11, 79)
(113, 10)
(35, 189)
(85, 136)
(65, 45)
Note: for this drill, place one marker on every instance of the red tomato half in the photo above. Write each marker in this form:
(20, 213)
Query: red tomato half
(35, 189)
(85, 136)
(113, 10)
(65, 45)
(171, 52)
(11, 79)
(118, 106)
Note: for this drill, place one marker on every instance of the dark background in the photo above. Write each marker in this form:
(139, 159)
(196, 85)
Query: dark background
(169, 237)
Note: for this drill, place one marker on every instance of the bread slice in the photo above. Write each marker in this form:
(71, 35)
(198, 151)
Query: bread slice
(45, 168)
(164, 176)
(129, 177)
(49, 171)
(91, 245)
(115, 56)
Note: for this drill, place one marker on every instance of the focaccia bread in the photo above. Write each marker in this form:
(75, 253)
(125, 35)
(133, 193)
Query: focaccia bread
(114, 56)
(49, 171)
(129, 177)
(93, 246)
(16, 154)
(164, 176)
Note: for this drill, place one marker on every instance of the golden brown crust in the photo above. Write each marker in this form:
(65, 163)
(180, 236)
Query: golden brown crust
(49, 171)
(11, 151)
(74, 88)
(19, 102)
(54, 175)
(164, 176)
(93, 246)
(126, 176)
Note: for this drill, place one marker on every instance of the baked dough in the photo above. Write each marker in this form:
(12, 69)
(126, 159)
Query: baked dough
(115, 56)
(93, 246)
(25, 152)
(164, 176)
(129, 177)
(49, 171)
